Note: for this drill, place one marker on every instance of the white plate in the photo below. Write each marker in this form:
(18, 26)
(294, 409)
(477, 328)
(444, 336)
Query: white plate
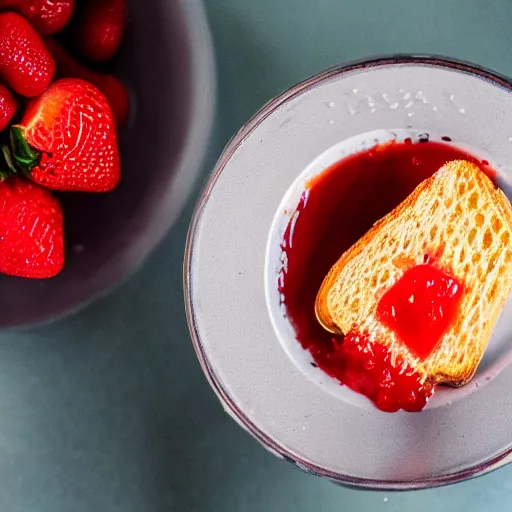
(462, 433)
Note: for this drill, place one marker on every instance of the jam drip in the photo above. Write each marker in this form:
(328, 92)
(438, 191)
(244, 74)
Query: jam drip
(366, 367)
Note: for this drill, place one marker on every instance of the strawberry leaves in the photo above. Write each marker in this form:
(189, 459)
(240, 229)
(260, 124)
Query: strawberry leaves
(22, 154)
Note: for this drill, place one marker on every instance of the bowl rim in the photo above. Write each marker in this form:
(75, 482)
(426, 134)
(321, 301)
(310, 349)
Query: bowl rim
(489, 464)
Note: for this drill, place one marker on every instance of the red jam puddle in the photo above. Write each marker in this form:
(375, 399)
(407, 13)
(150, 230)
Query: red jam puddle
(365, 367)
(347, 199)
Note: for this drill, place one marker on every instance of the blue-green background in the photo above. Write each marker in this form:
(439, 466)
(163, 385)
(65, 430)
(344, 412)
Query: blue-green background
(108, 410)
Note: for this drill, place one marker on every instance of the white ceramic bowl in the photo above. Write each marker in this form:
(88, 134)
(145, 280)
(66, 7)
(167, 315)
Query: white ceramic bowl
(497, 355)
(232, 260)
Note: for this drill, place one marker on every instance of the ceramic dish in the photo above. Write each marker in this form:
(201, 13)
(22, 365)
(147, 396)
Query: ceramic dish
(232, 264)
(108, 236)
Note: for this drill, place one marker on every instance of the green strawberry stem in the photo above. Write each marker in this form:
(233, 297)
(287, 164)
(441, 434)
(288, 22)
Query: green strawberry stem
(4, 175)
(25, 157)
(11, 167)
(7, 167)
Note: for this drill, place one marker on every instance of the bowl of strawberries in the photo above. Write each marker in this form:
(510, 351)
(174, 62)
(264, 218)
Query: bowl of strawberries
(103, 128)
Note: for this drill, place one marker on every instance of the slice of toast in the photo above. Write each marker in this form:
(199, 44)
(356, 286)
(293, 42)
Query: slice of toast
(465, 222)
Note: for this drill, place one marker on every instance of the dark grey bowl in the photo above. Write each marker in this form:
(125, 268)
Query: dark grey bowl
(167, 61)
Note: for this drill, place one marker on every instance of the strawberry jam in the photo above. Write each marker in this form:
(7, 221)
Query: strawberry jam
(365, 367)
(420, 307)
(339, 207)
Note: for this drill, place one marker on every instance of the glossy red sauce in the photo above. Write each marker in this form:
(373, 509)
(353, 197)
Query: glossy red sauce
(366, 367)
(420, 307)
(337, 209)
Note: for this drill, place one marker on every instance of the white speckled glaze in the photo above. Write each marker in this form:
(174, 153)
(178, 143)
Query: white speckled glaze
(227, 268)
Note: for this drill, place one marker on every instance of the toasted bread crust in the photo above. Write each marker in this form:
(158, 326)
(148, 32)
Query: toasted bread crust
(465, 222)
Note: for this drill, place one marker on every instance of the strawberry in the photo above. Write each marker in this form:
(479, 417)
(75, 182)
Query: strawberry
(100, 28)
(25, 63)
(31, 230)
(46, 16)
(117, 97)
(113, 89)
(8, 106)
(67, 139)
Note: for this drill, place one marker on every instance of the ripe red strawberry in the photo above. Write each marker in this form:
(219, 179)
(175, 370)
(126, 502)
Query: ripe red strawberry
(46, 16)
(25, 62)
(67, 139)
(117, 97)
(100, 28)
(8, 106)
(31, 230)
(113, 89)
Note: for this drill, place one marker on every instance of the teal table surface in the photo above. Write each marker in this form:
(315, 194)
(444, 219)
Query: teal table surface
(108, 410)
